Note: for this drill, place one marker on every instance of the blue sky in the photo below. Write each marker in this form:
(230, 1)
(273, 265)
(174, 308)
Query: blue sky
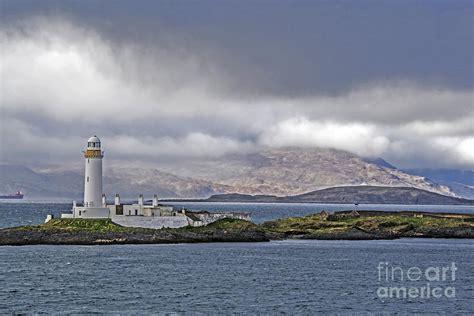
(378, 78)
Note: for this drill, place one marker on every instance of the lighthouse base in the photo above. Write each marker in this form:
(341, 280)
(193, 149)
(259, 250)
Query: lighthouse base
(90, 212)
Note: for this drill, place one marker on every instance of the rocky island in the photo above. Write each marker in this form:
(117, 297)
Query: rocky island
(360, 225)
(347, 225)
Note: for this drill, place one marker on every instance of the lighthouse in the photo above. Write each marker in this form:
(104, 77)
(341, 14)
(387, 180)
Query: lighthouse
(93, 173)
(145, 214)
(94, 201)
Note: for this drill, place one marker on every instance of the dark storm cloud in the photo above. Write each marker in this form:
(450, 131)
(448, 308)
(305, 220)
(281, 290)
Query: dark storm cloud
(291, 48)
(209, 78)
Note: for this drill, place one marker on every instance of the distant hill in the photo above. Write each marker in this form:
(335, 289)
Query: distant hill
(380, 162)
(280, 172)
(461, 182)
(58, 184)
(451, 175)
(129, 182)
(292, 171)
(352, 194)
(378, 194)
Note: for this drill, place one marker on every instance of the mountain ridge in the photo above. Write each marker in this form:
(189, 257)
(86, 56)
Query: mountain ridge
(292, 171)
(459, 181)
(281, 172)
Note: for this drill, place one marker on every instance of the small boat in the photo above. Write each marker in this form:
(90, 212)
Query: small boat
(17, 196)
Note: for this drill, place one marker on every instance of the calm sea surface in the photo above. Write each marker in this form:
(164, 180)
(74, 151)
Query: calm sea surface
(292, 277)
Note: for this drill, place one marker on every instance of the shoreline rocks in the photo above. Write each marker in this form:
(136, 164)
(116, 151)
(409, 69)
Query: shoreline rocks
(61, 232)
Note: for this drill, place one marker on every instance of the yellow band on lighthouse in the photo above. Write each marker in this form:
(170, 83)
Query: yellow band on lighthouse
(93, 153)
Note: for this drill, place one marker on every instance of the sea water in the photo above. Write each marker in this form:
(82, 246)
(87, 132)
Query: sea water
(292, 277)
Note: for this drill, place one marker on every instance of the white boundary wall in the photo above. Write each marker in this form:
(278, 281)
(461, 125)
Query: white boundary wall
(156, 222)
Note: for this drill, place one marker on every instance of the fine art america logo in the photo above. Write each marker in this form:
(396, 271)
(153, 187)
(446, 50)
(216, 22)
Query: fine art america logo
(416, 282)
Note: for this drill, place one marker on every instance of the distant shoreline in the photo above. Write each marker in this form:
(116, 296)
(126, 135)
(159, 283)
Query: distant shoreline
(298, 202)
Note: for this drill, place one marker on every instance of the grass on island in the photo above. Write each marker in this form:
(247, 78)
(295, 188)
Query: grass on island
(93, 225)
(307, 225)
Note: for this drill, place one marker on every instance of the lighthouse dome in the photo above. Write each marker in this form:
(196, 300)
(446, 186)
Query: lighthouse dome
(93, 142)
(94, 139)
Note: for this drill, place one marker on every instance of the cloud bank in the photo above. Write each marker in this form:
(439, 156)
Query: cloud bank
(62, 81)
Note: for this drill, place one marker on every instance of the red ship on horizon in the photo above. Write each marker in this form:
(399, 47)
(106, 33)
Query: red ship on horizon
(18, 196)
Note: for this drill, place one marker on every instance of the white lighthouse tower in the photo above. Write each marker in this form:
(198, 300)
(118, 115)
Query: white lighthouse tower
(93, 174)
(94, 201)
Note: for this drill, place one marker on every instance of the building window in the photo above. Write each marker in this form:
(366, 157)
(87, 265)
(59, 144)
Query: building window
(87, 179)
(136, 212)
(129, 212)
(80, 213)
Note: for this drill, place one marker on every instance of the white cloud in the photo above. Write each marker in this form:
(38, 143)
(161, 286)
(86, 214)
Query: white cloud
(462, 126)
(362, 139)
(69, 76)
(192, 145)
(460, 149)
(66, 72)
